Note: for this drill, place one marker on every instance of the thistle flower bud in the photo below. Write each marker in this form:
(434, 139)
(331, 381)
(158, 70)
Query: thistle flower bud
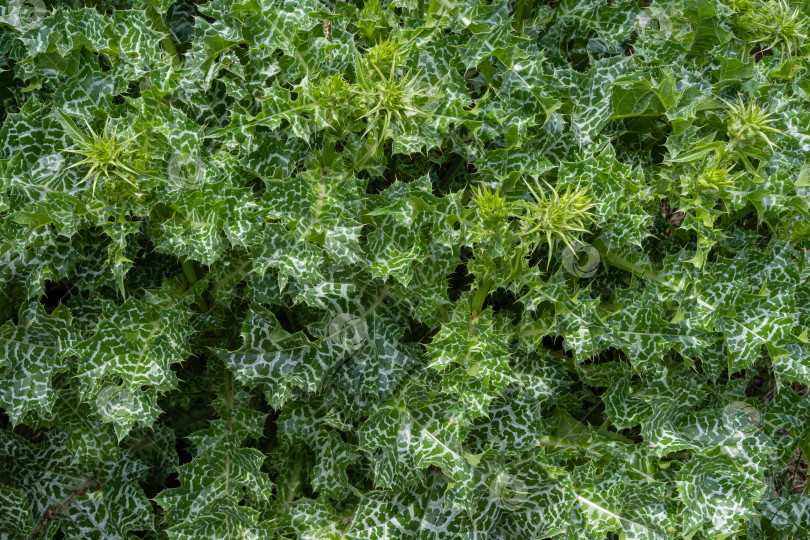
(383, 55)
(389, 98)
(772, 24)
(750, 124)
(105, 155)
(716, 179)
(556, 217)
(491, 205)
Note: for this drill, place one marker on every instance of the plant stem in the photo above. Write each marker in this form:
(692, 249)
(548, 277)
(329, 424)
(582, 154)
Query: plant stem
(229, 398)
(191, 277)
(296, 472)
(481, 295)
(191, 274)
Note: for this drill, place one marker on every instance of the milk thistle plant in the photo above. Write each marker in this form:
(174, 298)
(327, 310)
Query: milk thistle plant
(404, 270)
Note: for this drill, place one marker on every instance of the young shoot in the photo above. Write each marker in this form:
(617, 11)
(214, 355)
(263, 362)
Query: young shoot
(777, 24)
(717, 179)
(385, 54)
(556, 217)
(491, 205)
(104, 154)
(750, 124)
(389, 98)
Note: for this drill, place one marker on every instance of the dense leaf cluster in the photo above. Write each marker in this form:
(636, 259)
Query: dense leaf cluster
(390, 269)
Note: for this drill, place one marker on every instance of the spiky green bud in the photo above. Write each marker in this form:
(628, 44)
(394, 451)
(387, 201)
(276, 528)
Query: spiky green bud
(716, 179)
(106, 156)
(556, 217)
(750, 124)
(491, 205)
(775, 24)
(384, 55)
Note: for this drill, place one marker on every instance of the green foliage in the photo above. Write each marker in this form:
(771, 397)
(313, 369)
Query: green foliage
(389, 269)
